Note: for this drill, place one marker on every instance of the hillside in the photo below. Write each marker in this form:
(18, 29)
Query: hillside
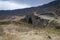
(35, 23)
(50, 7)
(21, 30)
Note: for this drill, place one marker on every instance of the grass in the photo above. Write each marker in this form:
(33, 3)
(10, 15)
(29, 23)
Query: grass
(4, 23)
(26, 31)
(47, 31)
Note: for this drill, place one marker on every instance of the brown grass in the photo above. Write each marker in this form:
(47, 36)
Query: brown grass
(20, 30)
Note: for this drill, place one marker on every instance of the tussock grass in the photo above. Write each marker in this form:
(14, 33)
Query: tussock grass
(21, 30)
(4, 23)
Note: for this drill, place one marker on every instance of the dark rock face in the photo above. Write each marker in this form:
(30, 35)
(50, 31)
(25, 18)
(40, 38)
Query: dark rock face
(35, 20)
(30, 20)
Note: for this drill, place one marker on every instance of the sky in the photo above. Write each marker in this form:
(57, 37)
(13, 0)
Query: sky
(19, 4)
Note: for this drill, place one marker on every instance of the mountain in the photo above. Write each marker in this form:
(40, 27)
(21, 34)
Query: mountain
(50, 7)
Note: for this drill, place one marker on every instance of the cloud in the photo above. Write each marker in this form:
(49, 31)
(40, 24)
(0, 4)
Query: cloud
(19, 4)
(6, 5)
(30, 2)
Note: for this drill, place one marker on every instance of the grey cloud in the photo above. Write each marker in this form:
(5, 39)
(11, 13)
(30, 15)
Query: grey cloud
(30, 2)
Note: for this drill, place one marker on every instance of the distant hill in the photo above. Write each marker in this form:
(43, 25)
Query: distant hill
(50, 7)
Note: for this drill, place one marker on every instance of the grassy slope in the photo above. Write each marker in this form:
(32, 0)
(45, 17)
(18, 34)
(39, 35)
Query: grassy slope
(23, 31)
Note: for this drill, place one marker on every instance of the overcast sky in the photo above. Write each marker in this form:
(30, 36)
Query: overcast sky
(19, 4)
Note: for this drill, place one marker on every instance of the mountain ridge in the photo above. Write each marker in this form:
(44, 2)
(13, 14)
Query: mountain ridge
(50, 7)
